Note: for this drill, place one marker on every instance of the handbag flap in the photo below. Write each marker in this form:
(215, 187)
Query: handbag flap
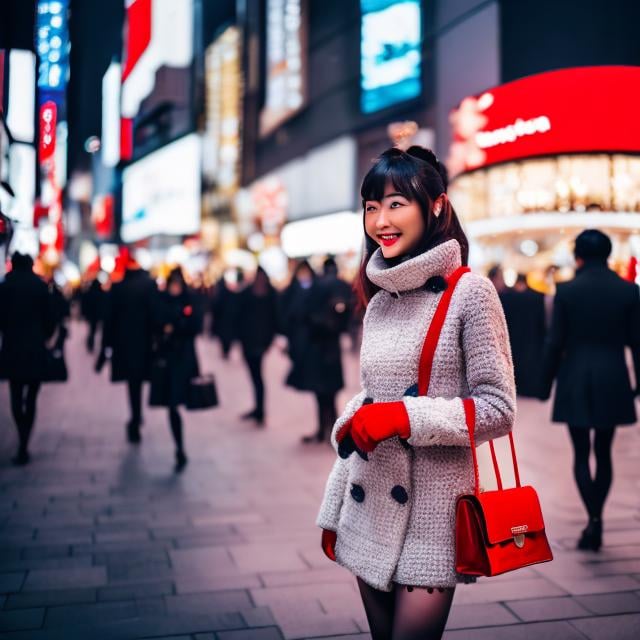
(511, 512)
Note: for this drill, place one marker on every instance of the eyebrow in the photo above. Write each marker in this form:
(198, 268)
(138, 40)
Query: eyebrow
(395, 194)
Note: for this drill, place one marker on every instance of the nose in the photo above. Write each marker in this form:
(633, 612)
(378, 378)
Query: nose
(382, 220)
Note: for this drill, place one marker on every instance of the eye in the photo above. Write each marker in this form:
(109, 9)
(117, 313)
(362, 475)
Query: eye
(396, 202)
(370, 208)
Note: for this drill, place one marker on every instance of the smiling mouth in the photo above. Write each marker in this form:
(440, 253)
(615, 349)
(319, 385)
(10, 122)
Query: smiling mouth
(389, 239)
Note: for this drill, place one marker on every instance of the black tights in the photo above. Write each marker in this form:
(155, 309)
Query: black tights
(134, 387)
(593, 491)
(254, 363)
(400, 614)
(175, 421)
(23, 408)
(327, 414)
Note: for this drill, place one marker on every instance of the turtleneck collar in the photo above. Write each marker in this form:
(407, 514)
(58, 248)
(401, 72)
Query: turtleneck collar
(413, 273)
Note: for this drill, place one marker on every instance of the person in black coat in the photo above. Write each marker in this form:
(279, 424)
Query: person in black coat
(595, 316)
(525, 314)
(315, 313)
(257, 309)
(26, 322)
(91, 304)
(224, 309)
(127, 332)
(178, 322)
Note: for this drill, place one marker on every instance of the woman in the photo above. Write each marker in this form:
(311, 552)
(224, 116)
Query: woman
(179, 322)
(314, 345)
(256, 330)
(388, 514)
(595, 317)
(27, 320)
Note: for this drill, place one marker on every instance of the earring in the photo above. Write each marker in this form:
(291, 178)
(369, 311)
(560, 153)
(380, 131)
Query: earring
(436, 210)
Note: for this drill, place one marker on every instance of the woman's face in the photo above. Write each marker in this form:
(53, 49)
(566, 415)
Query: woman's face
(175, 288)
(395, 222)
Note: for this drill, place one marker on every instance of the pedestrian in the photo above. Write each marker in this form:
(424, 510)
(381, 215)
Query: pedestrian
(524, 310)
(127, 334)
(595, 316)
(224, 308)
(496, 276)
(388, 513)
(91, 305)
(178, 320)
(313, 345)
(257, 317)
(26, 322)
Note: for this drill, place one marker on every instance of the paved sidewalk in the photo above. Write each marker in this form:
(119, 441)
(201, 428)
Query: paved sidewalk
(99, 539)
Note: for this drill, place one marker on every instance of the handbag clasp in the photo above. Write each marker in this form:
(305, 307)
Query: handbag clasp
(518, 535)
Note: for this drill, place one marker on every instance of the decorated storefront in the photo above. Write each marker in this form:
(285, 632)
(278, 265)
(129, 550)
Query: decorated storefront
(537, 160)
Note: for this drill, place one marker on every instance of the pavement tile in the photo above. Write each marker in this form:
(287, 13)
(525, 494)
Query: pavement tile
(65, 562)
(258, 558)
(133, 591)
(213, 582)
(623, 627)
(547, 609)
(332, 573)
(21, 619)
(606, 584)
(11, 582)
(208, 603)
(39, 580)
(95, 613)
(258, 617)
(610, 603)
(538, 630)
(308, 620)
(267, 633)
(50, 598)
(487, 591)
(209, 560)
(464, 616)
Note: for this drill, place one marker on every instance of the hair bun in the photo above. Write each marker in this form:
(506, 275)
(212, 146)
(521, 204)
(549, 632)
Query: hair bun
(429, 157)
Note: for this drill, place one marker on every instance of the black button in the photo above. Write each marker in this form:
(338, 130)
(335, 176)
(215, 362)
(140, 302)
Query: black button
(399, 494)
(436, 284)
(357, 493)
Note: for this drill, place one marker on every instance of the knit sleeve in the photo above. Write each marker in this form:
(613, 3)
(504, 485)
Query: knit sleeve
(329, 514)
(349, 411)
(489, 375)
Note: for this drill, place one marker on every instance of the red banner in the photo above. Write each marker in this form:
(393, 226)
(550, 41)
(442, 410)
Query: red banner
(47, 139)
(585, 109)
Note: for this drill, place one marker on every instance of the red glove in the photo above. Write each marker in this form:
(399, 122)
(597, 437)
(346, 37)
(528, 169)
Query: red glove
(329, 543)
(376, 422)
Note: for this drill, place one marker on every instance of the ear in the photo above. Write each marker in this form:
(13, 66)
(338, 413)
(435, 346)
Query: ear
(439, 204)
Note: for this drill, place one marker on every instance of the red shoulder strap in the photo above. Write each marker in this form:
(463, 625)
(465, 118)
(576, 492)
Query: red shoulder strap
(433, 334)
(424, 377)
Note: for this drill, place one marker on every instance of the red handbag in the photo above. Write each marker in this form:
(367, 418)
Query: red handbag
(496, 531)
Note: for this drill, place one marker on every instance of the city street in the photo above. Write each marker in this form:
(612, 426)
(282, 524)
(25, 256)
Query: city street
(100, 539)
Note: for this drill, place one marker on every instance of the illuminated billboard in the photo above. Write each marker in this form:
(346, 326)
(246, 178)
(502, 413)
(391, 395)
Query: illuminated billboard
(548, 114)
(286, 62)
(161, 192)
(52, 39)
(390, 57)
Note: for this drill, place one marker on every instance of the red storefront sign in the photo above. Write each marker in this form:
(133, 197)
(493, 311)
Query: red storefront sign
(47, 140)
(585, 109)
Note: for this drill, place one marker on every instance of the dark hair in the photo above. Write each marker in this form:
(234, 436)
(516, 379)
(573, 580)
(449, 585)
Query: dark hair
(419, 176)
(330, 267)
(21, 262)
(176, 275)
(592, 246)
(303, 264)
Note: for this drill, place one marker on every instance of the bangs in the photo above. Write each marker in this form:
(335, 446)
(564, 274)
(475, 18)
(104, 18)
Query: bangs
(394, 166)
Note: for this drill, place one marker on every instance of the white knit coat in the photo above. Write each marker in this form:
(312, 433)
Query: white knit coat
(395, 513)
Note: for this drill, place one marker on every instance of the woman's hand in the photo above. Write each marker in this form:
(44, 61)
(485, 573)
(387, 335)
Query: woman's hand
(329, 539)
(373, 423)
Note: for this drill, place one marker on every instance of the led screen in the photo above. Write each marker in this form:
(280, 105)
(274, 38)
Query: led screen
(161, 192)
(390, 58)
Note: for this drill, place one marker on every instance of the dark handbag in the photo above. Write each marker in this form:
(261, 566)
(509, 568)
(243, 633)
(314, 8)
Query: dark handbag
(495, 531)
(202, 393)
(55, 369)
(159, 392)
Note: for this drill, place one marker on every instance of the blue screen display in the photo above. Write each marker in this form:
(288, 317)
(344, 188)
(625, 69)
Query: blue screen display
(390, 53)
